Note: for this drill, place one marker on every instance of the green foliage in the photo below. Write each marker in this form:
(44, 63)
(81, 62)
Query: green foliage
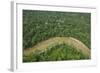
(56, 53)
(41, 25)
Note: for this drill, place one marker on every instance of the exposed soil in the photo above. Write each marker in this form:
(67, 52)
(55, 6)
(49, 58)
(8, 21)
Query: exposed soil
(42, 46)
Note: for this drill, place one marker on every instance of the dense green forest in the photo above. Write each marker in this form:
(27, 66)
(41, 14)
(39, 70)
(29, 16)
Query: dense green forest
(42, 25)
